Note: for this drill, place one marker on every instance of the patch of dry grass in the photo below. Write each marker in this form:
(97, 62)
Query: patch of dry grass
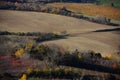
(91, 9)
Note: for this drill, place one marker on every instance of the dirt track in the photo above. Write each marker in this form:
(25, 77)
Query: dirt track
(81, 31)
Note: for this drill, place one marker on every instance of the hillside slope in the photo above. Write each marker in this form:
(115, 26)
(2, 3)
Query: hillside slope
(83, 35)
(91, 9)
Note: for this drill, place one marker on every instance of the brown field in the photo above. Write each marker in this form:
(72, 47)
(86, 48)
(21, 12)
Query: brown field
(81, 38)
(91, 9)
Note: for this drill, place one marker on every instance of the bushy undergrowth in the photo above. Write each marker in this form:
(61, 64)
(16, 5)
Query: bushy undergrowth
(39, 37)
(31, 58)
(54, 73)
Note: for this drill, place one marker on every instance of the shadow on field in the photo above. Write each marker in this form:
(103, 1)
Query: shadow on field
(108, 30)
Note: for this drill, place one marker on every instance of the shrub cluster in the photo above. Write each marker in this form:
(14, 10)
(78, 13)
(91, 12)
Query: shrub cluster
(90, 60)
(39, 7)
(54, 73)
(39, 52)
(40, 36)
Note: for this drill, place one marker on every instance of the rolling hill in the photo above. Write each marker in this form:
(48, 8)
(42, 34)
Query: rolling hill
(84, 35)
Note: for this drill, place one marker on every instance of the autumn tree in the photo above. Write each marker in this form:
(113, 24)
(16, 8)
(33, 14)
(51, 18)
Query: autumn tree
(24, 77)
(19, 52)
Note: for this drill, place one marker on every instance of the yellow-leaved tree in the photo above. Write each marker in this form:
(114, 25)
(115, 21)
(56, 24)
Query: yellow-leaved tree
(109, 56)
(28, 46)
(79, 56)
(24, 77)
(19, 52)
